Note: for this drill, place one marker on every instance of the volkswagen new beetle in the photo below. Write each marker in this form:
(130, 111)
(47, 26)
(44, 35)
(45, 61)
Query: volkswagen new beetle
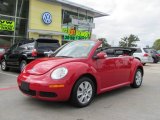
(80, 70)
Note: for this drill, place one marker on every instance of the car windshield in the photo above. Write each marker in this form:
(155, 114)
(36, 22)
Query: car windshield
(76, 49)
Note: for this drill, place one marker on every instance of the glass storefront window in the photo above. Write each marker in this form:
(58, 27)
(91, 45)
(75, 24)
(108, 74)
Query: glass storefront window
(76, 31)
(68, 15)
(82, 17)
(5, 42)
(23, 8)
(13, 25)
(21, 27)
(17, 39)
(90, 19)
(8, 7)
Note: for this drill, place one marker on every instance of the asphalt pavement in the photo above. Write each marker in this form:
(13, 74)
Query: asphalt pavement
(121, 104)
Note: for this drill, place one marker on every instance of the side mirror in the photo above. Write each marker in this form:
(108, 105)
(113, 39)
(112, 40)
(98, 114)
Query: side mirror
(101, 55)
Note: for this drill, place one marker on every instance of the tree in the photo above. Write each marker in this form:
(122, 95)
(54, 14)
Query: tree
(156, 44)
(129, 41)
(105, 43)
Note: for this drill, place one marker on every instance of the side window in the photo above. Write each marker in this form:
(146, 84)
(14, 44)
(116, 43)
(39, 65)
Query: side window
(138, 50)
(30, 46)
(26, 46)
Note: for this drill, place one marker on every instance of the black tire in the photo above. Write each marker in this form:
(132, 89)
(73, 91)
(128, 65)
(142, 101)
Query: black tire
(22, 65)
(138, 59)
(144, 64)
(4, 65)
(86, 94)
(138, 78)
(155, 61)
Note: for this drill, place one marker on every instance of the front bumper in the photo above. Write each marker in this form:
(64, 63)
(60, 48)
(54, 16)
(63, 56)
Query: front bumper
(44, 89)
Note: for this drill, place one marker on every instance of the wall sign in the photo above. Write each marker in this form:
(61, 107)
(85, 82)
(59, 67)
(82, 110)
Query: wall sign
(7, 25)
(83, 23)
(47, 18)
(76, 34)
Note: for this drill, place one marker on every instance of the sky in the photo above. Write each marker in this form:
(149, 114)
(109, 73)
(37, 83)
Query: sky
(138, 17)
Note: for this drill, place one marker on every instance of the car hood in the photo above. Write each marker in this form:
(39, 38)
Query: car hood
(43, 65)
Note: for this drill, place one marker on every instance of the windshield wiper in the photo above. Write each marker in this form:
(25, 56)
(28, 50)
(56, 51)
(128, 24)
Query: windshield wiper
(65, 56)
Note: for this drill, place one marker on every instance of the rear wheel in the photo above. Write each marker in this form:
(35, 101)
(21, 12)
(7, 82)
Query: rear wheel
(144, 64)
(155, 61)
(83, 92)
(4, 65)
(138, 77)
(22, 65)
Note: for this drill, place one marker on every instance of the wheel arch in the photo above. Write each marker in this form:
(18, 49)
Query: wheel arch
(91, 77)
(138, 58)
(23, 57)
(141, 68)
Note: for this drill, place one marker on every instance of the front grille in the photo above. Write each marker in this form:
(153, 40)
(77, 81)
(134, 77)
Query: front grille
(47, 94)
(28, 92)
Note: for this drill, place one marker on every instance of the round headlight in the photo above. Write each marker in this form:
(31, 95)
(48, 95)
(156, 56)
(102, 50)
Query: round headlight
(59, 73)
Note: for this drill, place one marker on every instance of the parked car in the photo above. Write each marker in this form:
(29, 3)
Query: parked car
(78, 71)
(154, 54)
(142, 55)
(26, 51)
(2, 51)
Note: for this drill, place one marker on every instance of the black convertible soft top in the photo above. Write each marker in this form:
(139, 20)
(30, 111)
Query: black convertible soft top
(115, 51)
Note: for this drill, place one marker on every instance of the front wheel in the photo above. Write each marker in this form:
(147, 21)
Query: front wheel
(83, 92)
(4, 65)
(144, 64)
(138, 77)
(22, 65)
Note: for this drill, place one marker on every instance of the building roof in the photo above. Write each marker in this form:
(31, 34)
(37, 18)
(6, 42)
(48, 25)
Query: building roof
(72, 4)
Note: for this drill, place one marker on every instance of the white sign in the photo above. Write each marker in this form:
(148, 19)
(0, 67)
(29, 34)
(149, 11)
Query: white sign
(83, 23)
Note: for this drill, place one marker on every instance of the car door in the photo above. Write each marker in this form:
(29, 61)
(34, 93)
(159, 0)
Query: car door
(10, 55)
(106, 71)
(106, 67)
(123, 67)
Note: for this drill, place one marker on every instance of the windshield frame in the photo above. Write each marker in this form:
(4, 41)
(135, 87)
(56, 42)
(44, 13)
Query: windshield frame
(86, 44)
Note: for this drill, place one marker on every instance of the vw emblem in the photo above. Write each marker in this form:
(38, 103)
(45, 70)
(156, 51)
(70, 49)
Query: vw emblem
(47, 18)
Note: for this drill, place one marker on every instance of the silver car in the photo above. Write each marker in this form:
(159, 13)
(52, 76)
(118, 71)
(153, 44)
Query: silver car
(143, 56)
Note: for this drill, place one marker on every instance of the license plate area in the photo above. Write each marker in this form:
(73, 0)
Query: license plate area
(25, 86)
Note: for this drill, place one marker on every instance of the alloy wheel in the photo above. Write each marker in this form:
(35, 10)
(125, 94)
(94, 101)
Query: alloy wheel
(138, 78)
(84, 92)
(3, 65)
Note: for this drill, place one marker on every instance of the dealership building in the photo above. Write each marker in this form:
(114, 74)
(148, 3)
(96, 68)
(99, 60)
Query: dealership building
(57, 19)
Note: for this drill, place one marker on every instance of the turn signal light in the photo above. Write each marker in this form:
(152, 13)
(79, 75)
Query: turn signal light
(56, 86)
(34, 53)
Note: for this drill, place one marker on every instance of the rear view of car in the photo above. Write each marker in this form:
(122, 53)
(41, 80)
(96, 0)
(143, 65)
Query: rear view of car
(154, 54)
(26, 51)
(142, 55)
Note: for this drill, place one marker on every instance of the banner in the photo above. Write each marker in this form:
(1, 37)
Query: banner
(7, 25)
(76, 34)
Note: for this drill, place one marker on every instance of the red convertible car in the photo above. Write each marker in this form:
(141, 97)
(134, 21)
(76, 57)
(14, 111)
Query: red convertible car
(80, 70)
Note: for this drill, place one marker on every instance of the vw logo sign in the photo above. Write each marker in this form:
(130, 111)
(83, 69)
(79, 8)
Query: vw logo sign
(47, 18)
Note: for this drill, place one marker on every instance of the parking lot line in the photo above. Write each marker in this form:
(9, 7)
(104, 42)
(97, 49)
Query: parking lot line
(8, 74)
(9, 88)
